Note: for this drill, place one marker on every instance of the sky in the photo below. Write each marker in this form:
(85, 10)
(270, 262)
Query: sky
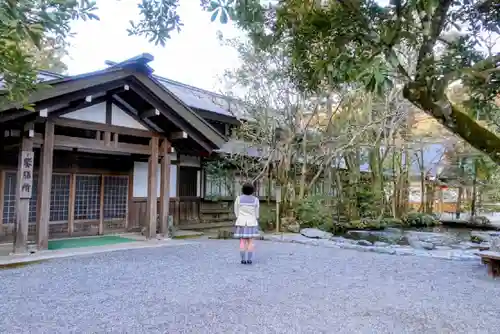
(194, 56)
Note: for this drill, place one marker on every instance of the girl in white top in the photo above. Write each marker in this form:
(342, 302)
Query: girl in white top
(246, 209)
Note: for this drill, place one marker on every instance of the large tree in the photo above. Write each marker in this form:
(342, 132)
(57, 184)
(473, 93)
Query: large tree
(364, 42)
(331, 42)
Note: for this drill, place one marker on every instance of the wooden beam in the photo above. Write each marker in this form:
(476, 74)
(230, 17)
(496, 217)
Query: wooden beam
(152, 200)
(74, 106)
(132, 112)
(44, 187)
(103, 127)
(178, 135)
(150, 113)
(183, 112)
(71, 206)
(22, 202)
(107, 138)
(172, 114)
(109, 110)
(165, 187)
(95, 145)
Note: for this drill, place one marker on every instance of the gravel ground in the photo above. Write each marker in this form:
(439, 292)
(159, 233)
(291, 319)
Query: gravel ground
(290, 288)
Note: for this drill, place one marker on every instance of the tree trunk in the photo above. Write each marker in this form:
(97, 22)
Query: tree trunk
(459, 201)
(454, 120)
(474, 191)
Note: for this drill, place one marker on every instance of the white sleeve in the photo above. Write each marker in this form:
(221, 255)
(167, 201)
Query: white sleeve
(237, 206)
(257, 207)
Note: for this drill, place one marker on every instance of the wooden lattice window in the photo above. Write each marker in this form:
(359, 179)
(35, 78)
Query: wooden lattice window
(9, 199)
(219, 185)
(33, 199)
(59, 198)
(87, 197)
(115, 197)
(188, 181)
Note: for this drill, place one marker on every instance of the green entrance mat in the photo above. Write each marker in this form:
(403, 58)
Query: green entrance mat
(88, 242)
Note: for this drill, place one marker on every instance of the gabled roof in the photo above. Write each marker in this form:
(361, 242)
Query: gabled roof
(134, 73)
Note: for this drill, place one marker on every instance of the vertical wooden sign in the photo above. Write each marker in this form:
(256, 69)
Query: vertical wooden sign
(26, 185)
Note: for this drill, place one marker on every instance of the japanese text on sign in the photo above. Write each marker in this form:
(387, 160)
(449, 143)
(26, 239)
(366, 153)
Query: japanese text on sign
(26, 185)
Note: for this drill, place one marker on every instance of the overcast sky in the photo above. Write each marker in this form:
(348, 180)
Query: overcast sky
(193, 56)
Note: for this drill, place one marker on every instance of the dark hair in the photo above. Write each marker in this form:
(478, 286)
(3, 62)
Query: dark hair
(247, 189)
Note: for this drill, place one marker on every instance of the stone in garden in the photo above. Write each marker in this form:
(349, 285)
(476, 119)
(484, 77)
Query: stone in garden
(438, 239)
(315, 233)
(418, 244)
(293, 227)
(380, 244)
(364, 243)
(392, 236)
(495, 244)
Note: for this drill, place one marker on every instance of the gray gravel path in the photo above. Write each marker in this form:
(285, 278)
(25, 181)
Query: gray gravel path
(201, 288)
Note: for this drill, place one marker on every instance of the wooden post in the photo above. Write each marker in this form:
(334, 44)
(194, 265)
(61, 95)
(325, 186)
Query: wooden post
(101, 213)
(71, 206)
(165, 187)
(23, 194)
(152, 200)
(44, 187)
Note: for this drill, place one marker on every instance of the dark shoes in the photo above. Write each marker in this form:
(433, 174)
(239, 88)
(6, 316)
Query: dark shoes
(246, 262)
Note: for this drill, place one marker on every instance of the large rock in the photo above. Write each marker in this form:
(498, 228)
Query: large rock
(389, 235)
(315, 233)
(364, 243)
(437, 239)
(495, 244)
(293, 227)
(418, 244)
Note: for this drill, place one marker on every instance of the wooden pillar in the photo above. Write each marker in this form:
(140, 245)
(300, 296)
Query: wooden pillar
(165, 187)
(152, 200)
(44, 187)
(23, 190)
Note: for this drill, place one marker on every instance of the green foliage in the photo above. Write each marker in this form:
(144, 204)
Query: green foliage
(366, 201)
(221, 176)
(267, 218)
(31, 22)
(313, 212)
(419, 219)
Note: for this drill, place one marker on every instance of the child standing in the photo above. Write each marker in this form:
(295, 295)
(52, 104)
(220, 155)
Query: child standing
(246, 209)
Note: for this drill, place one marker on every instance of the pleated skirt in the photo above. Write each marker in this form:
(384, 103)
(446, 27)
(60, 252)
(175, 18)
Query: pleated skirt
(246, 232)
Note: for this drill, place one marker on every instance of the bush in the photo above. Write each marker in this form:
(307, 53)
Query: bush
(267, 218)
(419, 219)
(392, 222)
(480, 220)
(313, 212)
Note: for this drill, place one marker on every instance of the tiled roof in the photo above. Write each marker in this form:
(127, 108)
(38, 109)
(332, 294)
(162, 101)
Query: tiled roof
(199, 98)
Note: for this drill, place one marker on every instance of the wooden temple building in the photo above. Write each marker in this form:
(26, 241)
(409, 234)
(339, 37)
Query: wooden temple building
(109, 151)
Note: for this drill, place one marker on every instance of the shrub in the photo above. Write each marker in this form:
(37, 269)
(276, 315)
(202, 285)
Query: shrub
(479, 220)
(476, 239)
(313, 212)
(419, 219)
(392, 222)
(267, 218)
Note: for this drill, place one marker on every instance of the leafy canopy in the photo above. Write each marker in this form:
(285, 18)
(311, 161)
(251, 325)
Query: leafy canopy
(423, 45)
